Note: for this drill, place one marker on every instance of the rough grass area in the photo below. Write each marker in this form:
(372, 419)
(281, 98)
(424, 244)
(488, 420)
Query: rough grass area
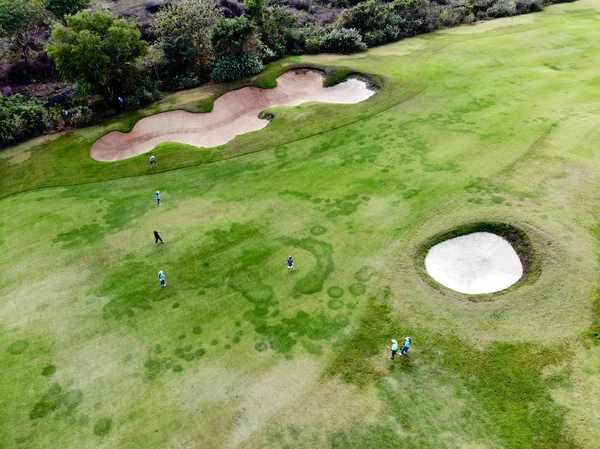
(489, 127)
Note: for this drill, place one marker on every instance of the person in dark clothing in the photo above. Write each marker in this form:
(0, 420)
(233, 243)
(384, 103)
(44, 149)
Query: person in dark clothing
(290, 264)
(157, 237)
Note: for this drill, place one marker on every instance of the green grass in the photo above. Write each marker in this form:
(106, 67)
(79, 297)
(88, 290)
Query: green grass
(489, 127)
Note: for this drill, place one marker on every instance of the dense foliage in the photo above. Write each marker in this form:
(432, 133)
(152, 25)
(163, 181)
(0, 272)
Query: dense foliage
(20, 24)
(98, 51)
(62, 8)
(115, 63)
(230, 68)
(191, 20)
(342, 40)
(21, 118)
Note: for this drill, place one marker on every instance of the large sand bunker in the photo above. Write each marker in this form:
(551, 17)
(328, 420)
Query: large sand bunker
(233, 114)
(476, 263)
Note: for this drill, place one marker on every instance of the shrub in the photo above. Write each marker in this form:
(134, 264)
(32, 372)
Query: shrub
(344, 41)
(233, 36)
(379, 23)
(502, 8)
(526, 6)
(469, 19)
(21, 118)
(312, 45)
(61, 8)
(231, 68)
(185, 82)
(179, 56)
(81, 116)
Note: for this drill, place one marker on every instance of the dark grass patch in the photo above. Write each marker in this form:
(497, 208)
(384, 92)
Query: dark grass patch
(48, 370)
(156, 364)
(56, 400)
(261, 346)
(358, 289)
(335, 304)
(313, 281)
(318, 230)
(335, 292)
(365, 274)
(351, 363)
(102, 427)
(283, 336)
(18, 347)
(592, 334)
(313, 348)
(83, 236)
(518, 239)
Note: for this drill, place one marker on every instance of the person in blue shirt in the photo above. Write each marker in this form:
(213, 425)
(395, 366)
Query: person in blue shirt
(290, 264)
(407, 342)
(161, 278)
(157, 195)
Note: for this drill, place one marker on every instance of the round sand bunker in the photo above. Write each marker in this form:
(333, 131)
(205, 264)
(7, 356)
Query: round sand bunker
(234, 113)
(476, 263)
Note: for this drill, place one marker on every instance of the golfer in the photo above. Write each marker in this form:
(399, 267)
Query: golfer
(157, 237)
(290, 264)
(407, 342)
(153, 162)
(157, 195)
(394, 348)
(161, 278)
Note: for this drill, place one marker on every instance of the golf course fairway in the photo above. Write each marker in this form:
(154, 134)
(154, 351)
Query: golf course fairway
(487, 128)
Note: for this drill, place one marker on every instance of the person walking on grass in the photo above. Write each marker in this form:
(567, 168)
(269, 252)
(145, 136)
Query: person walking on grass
(394, 348)
(157, 237)
(407, 342)
(161, 278)
(157, 195)
(290, 264)
(153, 162)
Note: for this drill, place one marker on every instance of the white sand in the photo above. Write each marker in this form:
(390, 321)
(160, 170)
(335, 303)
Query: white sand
(474, 264)
(233, 114)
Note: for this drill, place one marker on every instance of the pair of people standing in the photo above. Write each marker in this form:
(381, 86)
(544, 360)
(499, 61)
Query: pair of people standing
(394, 348)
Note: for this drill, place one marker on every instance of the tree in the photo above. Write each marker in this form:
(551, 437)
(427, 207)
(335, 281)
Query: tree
(191, 19)
(256, 8)
(98, 51)
(233, 36)
(179, 56)
(20, 22)
(62, 8)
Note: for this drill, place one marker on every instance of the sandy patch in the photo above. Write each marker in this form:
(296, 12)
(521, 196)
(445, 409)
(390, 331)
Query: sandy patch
(233, 114)
(476, 263)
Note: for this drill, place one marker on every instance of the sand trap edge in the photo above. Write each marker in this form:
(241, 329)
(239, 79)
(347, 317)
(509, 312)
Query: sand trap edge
(518, 238)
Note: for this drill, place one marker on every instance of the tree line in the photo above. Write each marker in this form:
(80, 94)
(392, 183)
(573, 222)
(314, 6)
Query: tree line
(111, 65)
